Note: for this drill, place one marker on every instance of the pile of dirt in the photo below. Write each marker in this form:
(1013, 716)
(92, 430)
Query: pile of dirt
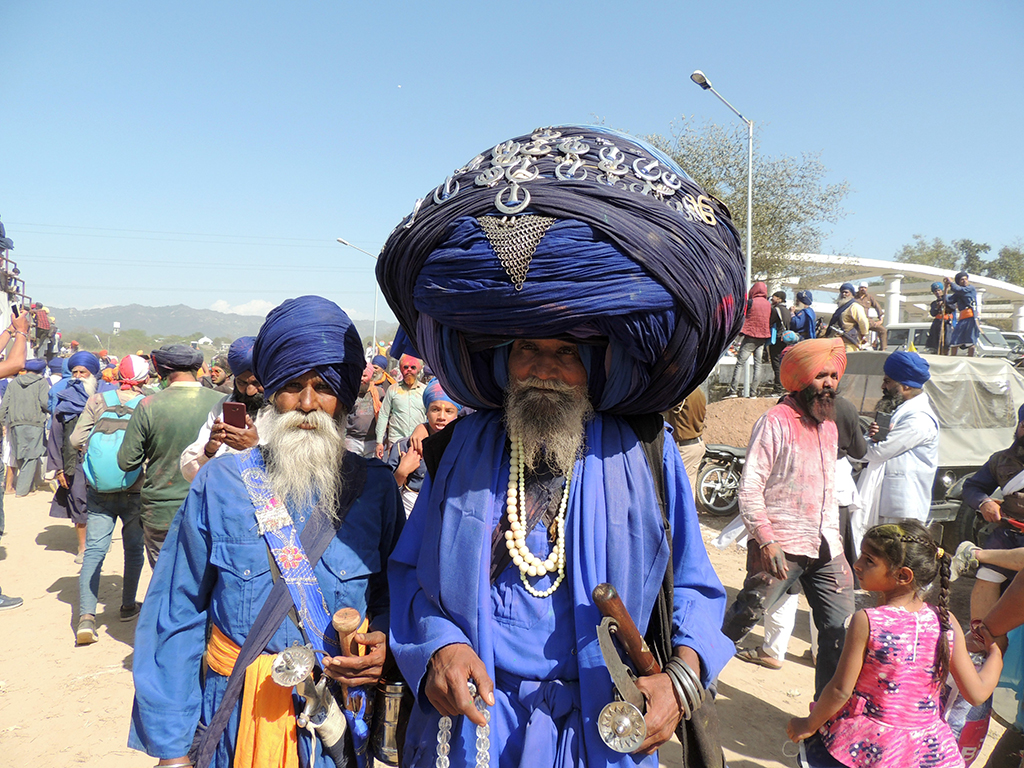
(728, 422)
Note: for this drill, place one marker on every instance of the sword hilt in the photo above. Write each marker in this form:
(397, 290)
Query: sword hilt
(608, 602)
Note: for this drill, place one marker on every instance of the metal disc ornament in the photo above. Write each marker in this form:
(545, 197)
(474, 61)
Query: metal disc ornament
(293, 665)
(622, 726)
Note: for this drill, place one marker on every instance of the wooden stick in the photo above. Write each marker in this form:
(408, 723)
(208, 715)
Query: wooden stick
(610, 604)
(346, 622)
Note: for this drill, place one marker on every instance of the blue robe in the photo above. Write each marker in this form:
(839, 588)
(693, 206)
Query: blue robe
(966, 330)
(214, 567)
(441, 593)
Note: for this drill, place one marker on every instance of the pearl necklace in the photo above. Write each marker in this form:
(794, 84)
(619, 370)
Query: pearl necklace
(515, 538)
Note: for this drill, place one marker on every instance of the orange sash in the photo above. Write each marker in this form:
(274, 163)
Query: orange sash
(267, 736)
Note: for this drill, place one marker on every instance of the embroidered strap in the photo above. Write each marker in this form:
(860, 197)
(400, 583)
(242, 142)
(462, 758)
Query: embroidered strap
(274, 523)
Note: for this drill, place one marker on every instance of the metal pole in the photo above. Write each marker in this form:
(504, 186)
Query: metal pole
(376, 289)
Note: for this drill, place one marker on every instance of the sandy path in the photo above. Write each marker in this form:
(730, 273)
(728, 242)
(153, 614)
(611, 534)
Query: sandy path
(61, 705)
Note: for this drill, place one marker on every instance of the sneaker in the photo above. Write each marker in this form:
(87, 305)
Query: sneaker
(129, 612)
(80, 558)
(7, 602)
(86, 634)
(729, 395)
(964, 561)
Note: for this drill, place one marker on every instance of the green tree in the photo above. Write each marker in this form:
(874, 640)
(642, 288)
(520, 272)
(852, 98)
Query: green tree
(1008, 265)
(930, 254)
(792, 200)
(970, 255)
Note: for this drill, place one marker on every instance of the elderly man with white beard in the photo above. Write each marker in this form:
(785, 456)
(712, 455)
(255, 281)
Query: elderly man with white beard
(294, 523)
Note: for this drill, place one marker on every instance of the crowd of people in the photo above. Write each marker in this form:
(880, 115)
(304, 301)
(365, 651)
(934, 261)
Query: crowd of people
(400, 556)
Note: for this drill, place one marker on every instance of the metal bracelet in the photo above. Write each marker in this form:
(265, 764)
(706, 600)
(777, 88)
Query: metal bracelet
(677, 687)
(688, 680)
(696, 681)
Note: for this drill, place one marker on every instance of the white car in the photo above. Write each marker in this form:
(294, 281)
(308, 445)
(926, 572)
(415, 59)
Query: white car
(991, 342)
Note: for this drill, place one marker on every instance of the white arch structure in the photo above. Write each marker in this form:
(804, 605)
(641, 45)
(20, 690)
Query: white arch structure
(907, 287)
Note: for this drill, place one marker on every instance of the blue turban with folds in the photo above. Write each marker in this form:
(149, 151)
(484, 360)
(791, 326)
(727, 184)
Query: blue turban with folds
(380, 361)
(309, 333)
(85, 359)
(577, 233)
(35, 365)
(176, 357)
(805, 297)
(434, 392)
(907, 368)
(936, 287)
(240, 354)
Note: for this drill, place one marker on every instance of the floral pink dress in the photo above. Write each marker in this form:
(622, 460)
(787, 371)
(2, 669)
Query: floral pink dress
(893, 719)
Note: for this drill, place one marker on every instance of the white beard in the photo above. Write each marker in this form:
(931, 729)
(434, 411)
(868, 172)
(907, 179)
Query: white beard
(304, 465)
(548, 417)
(89, 385)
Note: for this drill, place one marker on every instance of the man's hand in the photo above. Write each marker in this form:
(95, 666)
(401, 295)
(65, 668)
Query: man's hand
(991, 510)
(873, 430)
(410, 463)
(20, 323)
(662, 715)
(773, 560)
(61, 479)
(417, 437)
(450, 669)
(380, 451)
(233, 437)
(359, 670)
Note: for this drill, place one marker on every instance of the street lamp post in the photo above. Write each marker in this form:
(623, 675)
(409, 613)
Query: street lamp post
(343, 241)
(700, 79)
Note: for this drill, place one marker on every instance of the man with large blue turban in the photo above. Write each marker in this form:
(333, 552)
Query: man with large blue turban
(964, 297)
(297, 511)
(569, 285)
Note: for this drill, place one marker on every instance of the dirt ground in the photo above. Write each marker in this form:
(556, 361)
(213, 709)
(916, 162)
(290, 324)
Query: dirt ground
(61, 705)
(728, 422)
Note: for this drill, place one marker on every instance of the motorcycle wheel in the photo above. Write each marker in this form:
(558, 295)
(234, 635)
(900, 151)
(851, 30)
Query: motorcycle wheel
(716, 490)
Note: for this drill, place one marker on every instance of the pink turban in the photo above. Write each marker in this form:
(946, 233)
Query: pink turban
(804, 361)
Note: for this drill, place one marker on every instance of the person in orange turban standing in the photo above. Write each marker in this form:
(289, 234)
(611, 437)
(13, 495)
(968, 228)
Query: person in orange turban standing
(787, 500)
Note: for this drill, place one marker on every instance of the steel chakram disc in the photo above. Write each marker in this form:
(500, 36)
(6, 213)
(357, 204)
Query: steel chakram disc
(293, 665)
(622, 726)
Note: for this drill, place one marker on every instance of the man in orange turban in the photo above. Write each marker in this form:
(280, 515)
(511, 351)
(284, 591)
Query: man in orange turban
(788, 503)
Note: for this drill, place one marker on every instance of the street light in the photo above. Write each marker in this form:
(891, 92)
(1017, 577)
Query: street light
(700, 79)
(343, 241)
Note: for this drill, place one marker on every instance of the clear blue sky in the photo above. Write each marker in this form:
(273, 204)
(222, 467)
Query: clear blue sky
(209, 153)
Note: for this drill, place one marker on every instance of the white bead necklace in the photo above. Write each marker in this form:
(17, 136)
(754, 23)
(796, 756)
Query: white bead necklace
(515, 538)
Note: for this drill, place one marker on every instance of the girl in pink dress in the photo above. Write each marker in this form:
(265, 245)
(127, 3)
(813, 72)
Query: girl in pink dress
(881, 708)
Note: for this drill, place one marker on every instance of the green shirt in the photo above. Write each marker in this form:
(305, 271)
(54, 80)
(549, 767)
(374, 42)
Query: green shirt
(161, 427)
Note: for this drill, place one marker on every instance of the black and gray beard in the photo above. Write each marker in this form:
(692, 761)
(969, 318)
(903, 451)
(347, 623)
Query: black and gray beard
(548, 417)
(304, 465)
(252, 404)
(820, 405)
(890, 402)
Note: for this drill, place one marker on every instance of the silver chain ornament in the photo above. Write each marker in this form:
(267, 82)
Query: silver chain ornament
(483, 735)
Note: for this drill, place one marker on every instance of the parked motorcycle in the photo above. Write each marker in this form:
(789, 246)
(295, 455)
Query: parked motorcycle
(718, 479)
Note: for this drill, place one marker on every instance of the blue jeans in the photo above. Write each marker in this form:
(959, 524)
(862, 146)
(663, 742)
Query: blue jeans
(749, 346)
(104, 510)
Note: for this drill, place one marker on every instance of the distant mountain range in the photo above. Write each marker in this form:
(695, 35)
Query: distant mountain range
(179, 320)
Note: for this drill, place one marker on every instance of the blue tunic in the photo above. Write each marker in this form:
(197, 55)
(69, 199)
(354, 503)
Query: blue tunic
(966, 329)
(550, 679)
(214, 567)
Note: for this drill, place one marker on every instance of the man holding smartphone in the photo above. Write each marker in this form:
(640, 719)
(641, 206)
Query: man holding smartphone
(233, 423)
(897, 483)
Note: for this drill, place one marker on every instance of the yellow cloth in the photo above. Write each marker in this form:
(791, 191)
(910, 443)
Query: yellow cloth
(267, 736)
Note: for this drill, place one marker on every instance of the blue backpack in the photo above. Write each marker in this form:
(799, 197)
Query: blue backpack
(100, 463)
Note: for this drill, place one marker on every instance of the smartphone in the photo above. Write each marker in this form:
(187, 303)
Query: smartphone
(15, 310)
(883, 420)
(234, 415)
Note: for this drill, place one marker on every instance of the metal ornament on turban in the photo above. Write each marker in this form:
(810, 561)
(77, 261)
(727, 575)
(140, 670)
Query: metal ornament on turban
(576, 233)
(803, 362)
(309, 333)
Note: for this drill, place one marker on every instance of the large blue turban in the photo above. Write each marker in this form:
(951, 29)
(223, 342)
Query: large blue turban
(240, 355)
(309, 333)
(907, 368)
(35, 365)
(85, 359)
(176, 357)
(579, 233)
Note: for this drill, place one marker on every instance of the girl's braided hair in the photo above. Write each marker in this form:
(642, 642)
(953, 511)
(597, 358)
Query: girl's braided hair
(909, 544)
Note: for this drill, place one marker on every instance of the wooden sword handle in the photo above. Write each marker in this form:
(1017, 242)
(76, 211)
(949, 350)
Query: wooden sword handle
(346, 621)
(610, 604)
